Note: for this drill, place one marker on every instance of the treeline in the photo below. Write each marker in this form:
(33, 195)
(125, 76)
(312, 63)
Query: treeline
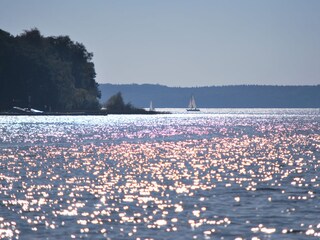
(46, 73)
(242, 96)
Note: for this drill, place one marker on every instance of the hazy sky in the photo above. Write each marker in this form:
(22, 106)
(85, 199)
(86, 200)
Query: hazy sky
(184, 43)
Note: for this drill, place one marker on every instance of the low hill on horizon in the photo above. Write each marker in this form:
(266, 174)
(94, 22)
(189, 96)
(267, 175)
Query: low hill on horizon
(237, 96)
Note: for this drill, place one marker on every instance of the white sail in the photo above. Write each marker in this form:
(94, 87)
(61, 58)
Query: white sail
(151, 108)
(192, 105)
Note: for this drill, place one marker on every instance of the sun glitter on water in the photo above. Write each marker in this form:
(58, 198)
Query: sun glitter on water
(161, 177)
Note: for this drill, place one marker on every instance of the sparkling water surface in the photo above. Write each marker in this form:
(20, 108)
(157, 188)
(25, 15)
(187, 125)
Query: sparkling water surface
(217, 174)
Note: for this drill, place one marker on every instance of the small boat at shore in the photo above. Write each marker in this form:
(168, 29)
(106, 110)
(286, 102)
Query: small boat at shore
(26, 110)
(35, 112)
(192, 105)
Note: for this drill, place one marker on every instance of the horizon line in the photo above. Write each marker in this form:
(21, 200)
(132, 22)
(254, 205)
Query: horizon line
(228, 85)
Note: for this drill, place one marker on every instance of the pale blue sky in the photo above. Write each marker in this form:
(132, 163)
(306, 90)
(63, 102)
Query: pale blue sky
(186, 42)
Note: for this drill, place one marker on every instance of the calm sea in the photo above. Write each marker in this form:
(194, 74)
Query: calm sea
(217, 174)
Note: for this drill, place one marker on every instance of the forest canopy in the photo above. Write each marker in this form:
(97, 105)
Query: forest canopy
(47, 73)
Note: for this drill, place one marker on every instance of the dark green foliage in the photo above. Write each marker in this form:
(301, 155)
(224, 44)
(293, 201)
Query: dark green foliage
(47, 72)
(115, 104)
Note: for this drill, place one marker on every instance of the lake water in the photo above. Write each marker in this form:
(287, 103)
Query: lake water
(218, 174)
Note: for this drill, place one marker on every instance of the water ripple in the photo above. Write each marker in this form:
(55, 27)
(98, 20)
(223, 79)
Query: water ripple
(207, 176)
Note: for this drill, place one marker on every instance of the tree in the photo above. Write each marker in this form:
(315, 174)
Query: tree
(53, 72)
(115, 103)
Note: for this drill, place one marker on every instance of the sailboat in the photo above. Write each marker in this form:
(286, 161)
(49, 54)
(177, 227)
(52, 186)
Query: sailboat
(192, 105)
(151, 108)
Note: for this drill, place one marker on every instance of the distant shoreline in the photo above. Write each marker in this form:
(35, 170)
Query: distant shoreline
(146, 112)
(82, 113)
(240, 96)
